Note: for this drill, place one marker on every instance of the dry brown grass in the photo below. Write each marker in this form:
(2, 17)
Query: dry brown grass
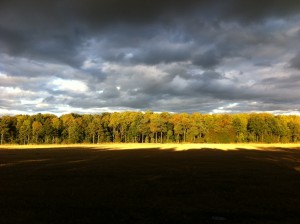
(174, 146)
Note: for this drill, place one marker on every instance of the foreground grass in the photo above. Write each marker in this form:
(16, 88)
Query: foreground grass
(99, 184)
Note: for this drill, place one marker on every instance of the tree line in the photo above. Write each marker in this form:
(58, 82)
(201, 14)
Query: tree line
(148, 127)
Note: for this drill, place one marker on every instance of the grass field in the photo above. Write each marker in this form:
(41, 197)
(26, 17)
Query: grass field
(150, 183)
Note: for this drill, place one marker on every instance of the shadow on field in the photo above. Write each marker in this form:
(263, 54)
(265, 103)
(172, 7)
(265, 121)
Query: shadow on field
(91, 185)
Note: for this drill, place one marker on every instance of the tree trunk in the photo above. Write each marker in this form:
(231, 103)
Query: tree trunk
(114, 135)
(161, 135)
(142, 137)
(69, 135)
(1, 138)
(155, 137)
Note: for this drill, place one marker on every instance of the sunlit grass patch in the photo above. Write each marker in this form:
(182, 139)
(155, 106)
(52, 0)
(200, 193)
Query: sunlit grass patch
(174, 146)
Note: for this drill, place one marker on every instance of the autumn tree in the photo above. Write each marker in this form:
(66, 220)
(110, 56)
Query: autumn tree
(115, 124)
(149, 127)
(155, 125)
(144, 127)
(56, 125)
(164, 123)
(178, 128)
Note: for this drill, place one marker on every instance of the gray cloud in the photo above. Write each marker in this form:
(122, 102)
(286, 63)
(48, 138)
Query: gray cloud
(295, 62)
(208, 59)
(187, 55)
(287, 84)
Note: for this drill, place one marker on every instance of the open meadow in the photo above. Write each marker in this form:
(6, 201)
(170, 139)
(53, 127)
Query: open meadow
(150, 183)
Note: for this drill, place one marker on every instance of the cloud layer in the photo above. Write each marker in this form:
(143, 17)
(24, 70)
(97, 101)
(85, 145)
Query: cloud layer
(111, 55)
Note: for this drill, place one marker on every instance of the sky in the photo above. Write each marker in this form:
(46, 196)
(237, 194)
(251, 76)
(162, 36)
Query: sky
(93, 56)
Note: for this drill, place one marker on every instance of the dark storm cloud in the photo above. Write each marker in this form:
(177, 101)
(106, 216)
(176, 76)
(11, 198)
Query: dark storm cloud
(130, 11)
(55, 29)
(162, 54)
(249, 11)
(57, 47)
(208, 59)
(135, 11)
(186, 55)
(41, 30)
(295, 61)
(111, 11)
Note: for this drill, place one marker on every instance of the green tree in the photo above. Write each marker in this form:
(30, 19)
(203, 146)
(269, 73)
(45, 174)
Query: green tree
(257, 126)
(92, 128)
(104, 131)
(197, 129)
(134, 126)
(294, 128)
(67, 122)
(37, 130)
(239, 123)
(25, 131)
(4, 127)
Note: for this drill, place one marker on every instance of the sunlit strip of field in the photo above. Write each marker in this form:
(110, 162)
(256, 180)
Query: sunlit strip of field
(173, 146)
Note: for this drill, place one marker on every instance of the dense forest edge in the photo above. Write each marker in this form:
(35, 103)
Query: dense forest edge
(149, 127)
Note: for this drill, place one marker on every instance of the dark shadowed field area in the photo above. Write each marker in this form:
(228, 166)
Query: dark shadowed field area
(92, 185)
